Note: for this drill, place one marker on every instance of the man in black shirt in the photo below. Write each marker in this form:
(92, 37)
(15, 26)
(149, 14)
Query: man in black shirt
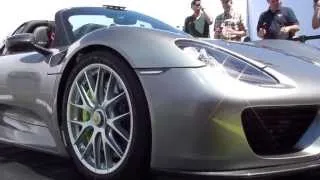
(277, 22)
(198, 24)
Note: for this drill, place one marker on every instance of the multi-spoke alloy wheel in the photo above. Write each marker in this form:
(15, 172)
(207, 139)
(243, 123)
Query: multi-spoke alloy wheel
(99, 118)
(105, 119)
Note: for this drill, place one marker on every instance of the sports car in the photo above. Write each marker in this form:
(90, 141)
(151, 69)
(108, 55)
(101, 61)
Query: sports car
(120, 93)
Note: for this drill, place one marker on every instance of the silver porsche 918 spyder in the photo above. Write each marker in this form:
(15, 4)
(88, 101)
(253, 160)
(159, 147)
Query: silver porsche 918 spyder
(120, 92)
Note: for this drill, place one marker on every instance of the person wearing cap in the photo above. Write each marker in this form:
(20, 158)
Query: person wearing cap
(198, 23)
(278, 22)
(230, 24)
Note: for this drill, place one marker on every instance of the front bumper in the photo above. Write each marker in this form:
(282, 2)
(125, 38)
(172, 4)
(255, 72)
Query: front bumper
(248, 173)
(197, 128)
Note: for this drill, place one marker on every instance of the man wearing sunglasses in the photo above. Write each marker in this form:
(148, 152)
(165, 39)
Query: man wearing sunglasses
(198, 23)
(277, 22)
(230, 24)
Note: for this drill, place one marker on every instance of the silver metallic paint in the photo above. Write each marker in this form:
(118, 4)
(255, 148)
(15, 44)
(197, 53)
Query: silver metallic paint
(195, 111)
(133, 43)
(26, 92)
(199, 118)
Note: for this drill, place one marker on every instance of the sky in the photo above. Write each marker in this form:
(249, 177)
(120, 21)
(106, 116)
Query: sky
(15, 12)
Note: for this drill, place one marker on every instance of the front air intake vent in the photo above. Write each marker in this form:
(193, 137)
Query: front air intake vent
(276, 130)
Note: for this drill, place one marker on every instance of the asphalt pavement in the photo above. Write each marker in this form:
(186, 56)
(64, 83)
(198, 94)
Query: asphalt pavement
(22, 164)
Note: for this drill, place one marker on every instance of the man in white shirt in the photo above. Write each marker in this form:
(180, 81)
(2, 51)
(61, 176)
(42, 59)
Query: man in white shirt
(230, 24)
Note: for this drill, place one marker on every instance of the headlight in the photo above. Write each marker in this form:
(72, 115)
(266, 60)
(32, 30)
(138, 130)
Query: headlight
(230, 64)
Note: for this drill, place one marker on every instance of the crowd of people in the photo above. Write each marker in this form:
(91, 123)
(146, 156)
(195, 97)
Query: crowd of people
(277, 22)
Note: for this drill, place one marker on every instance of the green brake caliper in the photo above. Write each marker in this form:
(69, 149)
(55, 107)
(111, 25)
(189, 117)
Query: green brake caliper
(86, 117)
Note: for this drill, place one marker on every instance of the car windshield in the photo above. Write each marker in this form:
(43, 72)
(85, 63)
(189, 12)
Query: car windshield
(82, 24)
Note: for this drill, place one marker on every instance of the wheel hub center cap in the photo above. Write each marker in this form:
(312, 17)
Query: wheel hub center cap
(98, 118)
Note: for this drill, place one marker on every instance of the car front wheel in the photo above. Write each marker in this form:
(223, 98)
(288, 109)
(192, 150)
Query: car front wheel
(105, 118)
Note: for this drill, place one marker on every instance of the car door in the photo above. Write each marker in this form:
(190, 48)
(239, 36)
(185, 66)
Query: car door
(26, 87)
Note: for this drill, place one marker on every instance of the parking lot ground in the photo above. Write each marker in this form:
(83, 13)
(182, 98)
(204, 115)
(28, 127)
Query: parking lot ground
(21, 164)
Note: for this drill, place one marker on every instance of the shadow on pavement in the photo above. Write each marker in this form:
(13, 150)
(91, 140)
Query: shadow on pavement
(17, 164)
(21, 164)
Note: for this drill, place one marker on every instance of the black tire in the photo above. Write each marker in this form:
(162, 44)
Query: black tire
(137, 161)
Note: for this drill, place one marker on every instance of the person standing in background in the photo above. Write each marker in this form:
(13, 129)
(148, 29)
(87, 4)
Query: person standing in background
(198, 23)
(230, 24)
(277, 22)
(316, 14)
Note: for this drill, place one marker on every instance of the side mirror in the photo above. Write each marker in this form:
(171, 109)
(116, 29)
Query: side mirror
(20, 42)
(24, 42)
